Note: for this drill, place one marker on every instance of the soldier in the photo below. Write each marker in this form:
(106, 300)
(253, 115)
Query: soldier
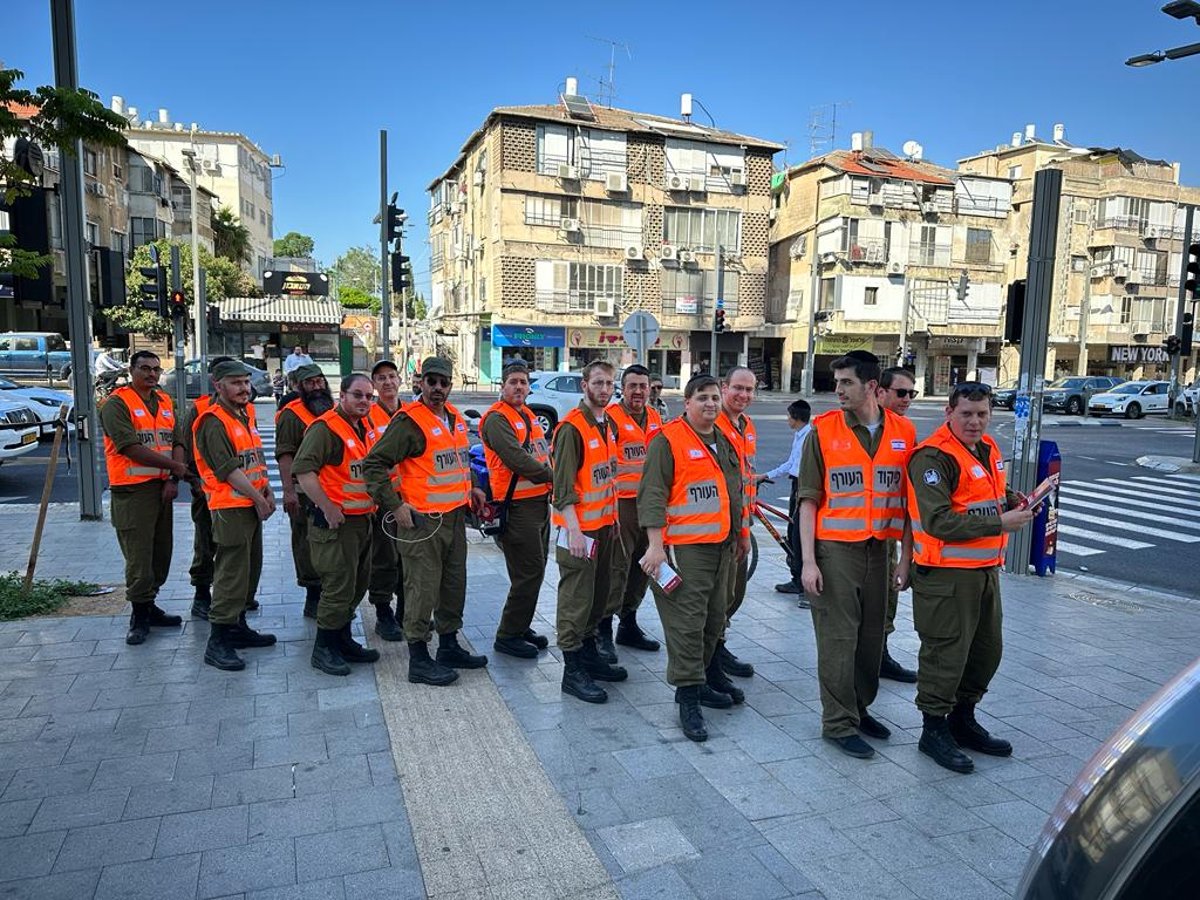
(798, 415)
(737, 393)
(961, 512)
(233, 470)
(636, 424)
(291, 421)
(144, 465)
(387, 576)
(588, 545)
(656, 402)
(852, 499)
(897, 390)
(328, 466)
(689, 500)
(518, 462)
(427, 439)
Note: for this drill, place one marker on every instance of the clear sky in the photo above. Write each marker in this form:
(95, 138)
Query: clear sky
(314, 80)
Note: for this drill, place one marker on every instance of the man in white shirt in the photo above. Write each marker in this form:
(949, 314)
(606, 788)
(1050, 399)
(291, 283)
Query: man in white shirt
(799, 413)
(299, 357)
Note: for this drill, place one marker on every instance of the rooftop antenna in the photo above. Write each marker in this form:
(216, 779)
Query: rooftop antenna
(822, 127)
(608, 84)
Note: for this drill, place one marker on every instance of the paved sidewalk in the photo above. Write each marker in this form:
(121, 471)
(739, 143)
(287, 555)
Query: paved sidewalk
(139, 772)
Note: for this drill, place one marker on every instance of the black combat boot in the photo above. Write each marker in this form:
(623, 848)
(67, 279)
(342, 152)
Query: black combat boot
(515, 646)
(252, 605)
(889, 668)
(202, 602)
(240, 635)
(219, 652)
(604, 641)
(690, 717)
(970, 734)
(709, 697)
(139, 624)
(352, 650)
(731, 664)
(327, 652)
(577, 682)
(939, 745)
(386, 625)
(596, 667)
(423, 670)
(630, 634)
(451, 653)
(312, 596)
(716, 678)
(872, 727)
(160, 618)
(534, 638)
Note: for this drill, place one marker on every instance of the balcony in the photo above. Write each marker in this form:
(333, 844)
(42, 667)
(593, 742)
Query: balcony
(936, 255)
(869, 252)
(574, 302)
(702, 307)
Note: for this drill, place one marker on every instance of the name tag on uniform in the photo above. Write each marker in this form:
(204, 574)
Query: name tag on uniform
(460, 426)
(436, 430)
(138, 412)
(593, 443)
(166, 413)
(900, 444)
(653, 428)
(350, 443)
(977, 471)
(693, 453)
(999, 465)
(520, 426)
(629, 426)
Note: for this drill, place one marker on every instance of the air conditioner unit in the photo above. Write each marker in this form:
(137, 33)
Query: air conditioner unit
(929, 209)
(687, 256)
(568, 225)
(737, 178)
(634, 251)
(1134, 277)
(1120, 269)
(477, 179)
(895, 268)
(875, 199)
(697, 184)
(604, 306)
(568, 173)
(677, 183)
(667, 253)
(616, 183)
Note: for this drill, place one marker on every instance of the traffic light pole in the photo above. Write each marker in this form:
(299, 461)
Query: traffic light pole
(79, 315)
(1180, 304)
(385, 292)
(713, 366)
(179, 327)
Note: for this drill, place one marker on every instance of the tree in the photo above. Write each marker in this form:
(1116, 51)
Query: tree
(353, 298)
(295, 244)
(358, 268)
(230, 237)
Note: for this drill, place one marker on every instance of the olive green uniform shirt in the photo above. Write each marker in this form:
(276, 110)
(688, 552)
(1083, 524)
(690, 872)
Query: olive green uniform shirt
(498, 434)
(403, 439)
(117, 422)
(658, 474)
(568, 456)
(811, 483)
(213, 443)
(321, 447)
(289, 432)
(938, 519)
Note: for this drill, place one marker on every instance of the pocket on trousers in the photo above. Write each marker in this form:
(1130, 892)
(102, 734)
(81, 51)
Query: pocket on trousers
(319, 535)
(935, 608)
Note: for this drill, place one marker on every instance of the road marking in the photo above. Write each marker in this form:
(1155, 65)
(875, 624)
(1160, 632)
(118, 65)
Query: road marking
(1115, 495)
(1137, 490)
(1075, 549)
(1103, 538)
(1163, 487)
(1192, 479)
(1145, 530)
(1146, 517)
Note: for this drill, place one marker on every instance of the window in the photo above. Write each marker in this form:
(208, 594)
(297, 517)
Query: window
(117, 241)
(562, 286)
(702, 229)
(142, 230)
(91, 231)
(90, 162)
(979, 246)
(931, 248)
(542, 210)
(828, 299)
(1014, 172)
(1079, 264)
(609, 224)
(25, 344)
(715, 163)
(118, 172)
(593, 152)
(141, 179)
(871, 296)
(262, 217)
(688, 291)
(1126, 310)
(1081, 215)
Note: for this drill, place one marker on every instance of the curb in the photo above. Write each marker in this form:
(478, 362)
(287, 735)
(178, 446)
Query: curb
(1172, 465)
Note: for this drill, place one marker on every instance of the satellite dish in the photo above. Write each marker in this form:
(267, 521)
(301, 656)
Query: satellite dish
(911, 148)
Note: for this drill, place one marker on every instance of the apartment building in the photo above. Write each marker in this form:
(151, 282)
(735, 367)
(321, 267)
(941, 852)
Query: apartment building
(899, 253)
(555, 222)
(1116, 276)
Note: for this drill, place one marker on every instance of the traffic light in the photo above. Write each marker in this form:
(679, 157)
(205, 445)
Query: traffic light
(400, 279)
(719, 317)
(154, 289)
(1192, 282)
(1185, 335)
(178, 304)
(396, 217)
(214, 317)
(1172, 344)
(964, 286)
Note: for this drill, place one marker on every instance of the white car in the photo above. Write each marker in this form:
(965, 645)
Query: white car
(1133, 399)
(552, 395)
(19, 434)
(1187, 401)
(46, 402)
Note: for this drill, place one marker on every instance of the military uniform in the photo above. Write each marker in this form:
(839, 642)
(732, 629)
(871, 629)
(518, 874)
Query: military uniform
(387, 570)
(289, 432)
(744, 438)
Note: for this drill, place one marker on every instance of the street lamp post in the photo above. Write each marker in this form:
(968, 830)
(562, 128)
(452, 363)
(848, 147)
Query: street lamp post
(199, 301)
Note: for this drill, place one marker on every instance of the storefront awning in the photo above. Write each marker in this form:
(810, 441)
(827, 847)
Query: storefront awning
(291, 310)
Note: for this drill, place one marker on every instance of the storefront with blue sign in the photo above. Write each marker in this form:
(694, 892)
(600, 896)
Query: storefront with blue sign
(540, 346)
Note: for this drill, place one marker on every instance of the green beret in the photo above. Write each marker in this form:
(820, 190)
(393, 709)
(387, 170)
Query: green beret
(230, 368)
(309, 370)
(436, 365)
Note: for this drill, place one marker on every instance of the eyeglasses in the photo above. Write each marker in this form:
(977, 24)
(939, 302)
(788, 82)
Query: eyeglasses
(911, 393)
(966, 388)
(359, 395)
(157, 370)
(436, 381)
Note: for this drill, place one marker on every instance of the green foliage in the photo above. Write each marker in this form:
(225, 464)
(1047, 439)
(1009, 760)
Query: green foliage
(416, 306)
(231, 238)
(294, 244)
(22, 263)
(353, 298)
(358, 268)
(42, 596)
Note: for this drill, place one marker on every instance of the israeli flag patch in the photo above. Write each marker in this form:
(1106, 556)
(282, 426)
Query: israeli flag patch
(593, 443)
(900, 444)
(693, 453)
(435, 431)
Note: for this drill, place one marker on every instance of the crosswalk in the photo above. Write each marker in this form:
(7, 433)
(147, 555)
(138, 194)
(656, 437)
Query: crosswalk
(1134, 513)
(266, 431)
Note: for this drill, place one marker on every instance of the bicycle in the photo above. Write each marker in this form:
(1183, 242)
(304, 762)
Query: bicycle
(761, 508)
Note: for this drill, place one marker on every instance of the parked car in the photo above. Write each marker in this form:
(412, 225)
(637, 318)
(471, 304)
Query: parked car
(1188, 401)
(20, 434)
(1128, 827)
(1005, 396)
(44, 401)
(552, 395)
(1071, 393)
(260, 382)
(34, 354)
(1133, 399)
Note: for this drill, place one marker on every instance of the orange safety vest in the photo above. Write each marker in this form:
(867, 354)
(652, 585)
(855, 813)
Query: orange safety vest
(246, 444)
(206, 401)
(595, 482)
(343, 484)
(156, 433)
(698, 504)
(979, 493)
(439, 480)
(379, 419)
(631, 447)
(746, 445)
(864, 495)
(297, 406)
(499, 475)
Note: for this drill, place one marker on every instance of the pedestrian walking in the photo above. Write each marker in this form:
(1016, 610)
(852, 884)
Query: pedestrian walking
(144, 459)
(427, 439)
(962, 512)
(328, 465)
(587, 543)
(233, 471)
(518, 462)
(689, 501)
(798, 415)
(852, 499)
(387, 573)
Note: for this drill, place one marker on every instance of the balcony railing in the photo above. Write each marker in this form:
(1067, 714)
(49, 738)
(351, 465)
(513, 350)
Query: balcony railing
(575, 302)
(929, 254)
(696, 306)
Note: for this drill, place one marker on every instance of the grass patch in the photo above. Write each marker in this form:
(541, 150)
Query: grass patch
(42, 596)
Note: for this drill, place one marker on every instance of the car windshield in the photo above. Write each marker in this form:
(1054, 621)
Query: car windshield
(1070, 383)
(1131, 387)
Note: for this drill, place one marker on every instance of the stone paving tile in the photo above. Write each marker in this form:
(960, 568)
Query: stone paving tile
(252, 786)
(53, 887)
(950, 882)
(29, 855)
(106, 845)
(290, 817)
(78, 810)
(208, 829)
(659, 882)
(249, 867)
(393, 883)
(648, 843)
(326, 889)
(731, 875)
(126, 771)
(151, 879)
(341, 852)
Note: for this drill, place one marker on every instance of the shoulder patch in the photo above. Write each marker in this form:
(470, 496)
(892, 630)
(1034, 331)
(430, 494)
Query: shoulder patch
(931, 476)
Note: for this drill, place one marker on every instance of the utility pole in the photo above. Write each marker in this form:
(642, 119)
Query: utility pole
(199, 298)
(179, 329)
(403, 311)
(814, 290)
(385, 294)
(718, 304)
(79, 308)
(1180, 303)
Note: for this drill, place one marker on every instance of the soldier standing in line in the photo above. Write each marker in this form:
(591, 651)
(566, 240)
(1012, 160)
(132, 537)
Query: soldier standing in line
(233, 470)
(428, 440)
(852, 499)
(291, 421)
(144, 465)
(588, 545)
(962, 512)
(329, 467)
(636, 424)
(387, 574)
(689, 500)
(518, 462)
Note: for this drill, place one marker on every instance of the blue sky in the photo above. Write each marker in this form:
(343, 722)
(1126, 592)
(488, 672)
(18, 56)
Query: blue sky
(314, 81)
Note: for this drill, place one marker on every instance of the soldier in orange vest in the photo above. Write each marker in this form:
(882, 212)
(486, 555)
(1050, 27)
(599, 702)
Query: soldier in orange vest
(328, 466)
(387, 572)
(145, 462)
(852, 493)
(315, 399)
(518, 462)
(962, 512)
(690, 501)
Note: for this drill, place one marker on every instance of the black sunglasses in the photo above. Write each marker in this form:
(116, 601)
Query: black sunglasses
(436, 381)
(905, 392)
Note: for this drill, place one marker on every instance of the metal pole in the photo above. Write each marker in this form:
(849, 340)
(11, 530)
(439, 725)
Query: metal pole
(713, 368)
(1177, 360)
(404, 312)
(905, 314)
(385, 293)
(642, 353)
(806, 383)
(199, 298)
(1035, 333)
(1085, 317)
(179, 326)
(79, 313)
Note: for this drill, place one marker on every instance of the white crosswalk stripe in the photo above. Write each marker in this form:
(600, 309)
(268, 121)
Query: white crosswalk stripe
(1119, 506)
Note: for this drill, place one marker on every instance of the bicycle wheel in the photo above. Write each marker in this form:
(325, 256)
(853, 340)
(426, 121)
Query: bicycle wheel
(753, 557)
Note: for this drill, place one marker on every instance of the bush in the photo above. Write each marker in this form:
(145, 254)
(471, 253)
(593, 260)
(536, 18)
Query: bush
(42, 596)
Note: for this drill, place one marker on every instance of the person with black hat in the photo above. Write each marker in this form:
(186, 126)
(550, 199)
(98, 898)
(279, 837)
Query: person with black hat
(387, 572)
(427, 440)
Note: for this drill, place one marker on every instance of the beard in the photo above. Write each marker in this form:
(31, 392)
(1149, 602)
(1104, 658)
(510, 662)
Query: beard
(318, 402)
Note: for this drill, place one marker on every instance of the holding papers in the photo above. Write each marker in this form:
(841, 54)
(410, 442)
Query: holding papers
(1040, 493)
